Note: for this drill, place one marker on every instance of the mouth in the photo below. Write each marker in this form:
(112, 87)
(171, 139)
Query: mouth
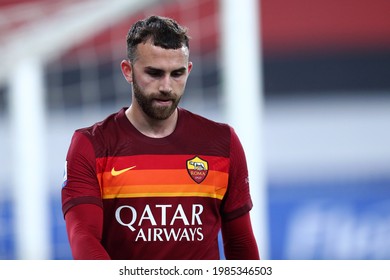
(163, 102)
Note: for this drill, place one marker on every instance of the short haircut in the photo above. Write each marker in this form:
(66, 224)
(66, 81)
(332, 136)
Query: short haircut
(162, 31)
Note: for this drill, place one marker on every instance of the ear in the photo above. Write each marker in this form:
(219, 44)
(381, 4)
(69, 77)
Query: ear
(189, 67)
(127, 71)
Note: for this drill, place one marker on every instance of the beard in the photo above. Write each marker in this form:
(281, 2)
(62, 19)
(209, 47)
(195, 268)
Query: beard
(152, 110)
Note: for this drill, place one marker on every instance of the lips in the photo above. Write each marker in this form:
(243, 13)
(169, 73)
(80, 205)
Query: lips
(163, 100)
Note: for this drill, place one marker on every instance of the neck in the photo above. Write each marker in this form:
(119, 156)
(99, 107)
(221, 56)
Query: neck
(151, 127)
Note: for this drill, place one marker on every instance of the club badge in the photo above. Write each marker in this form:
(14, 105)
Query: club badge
(197, 168)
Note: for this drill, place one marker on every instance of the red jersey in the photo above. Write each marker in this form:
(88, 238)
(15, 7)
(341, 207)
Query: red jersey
(162, 198)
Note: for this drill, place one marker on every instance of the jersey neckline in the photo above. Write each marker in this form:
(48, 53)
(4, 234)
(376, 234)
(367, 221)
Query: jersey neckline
(131, 130)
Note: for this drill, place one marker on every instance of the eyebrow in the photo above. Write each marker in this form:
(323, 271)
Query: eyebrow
(158, 69)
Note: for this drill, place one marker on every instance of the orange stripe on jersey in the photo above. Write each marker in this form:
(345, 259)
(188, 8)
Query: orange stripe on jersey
(139, 183)
(161, 177)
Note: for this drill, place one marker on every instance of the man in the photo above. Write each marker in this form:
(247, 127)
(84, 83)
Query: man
(155, 181)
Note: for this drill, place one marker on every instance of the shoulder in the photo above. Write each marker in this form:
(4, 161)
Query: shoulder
(103, 134)
(196, 120)
(207, 136)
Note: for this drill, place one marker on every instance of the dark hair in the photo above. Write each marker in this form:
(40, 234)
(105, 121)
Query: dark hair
(163, 32)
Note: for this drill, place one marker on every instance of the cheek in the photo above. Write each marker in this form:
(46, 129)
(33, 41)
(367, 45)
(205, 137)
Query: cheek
(144, 83)
(180, 84)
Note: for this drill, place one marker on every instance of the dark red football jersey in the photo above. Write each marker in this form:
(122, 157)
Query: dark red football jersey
(162, 198)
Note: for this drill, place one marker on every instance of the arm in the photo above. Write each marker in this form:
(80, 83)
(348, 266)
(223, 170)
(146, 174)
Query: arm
(237, 233)
(81, 203)
(238, 239)
(84, 224)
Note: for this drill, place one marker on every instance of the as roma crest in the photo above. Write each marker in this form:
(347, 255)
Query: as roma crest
(198, 169)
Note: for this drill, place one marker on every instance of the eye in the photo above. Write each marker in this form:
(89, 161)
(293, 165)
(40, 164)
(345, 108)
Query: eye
(154, 73)
(178, 73)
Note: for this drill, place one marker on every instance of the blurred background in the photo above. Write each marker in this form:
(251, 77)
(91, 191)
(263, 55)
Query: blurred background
(324, 114)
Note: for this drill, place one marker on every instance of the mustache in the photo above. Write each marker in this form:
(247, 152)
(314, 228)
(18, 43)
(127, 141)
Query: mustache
(164, 95)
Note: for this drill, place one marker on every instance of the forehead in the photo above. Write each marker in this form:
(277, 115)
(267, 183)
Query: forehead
(149, 55)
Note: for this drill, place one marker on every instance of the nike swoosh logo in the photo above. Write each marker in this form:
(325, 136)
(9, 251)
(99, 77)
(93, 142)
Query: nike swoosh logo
(121, 171)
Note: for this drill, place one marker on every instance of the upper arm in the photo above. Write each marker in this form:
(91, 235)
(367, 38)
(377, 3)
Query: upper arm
(80, 180)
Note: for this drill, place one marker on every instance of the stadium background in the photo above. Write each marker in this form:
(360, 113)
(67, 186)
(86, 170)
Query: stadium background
(326, 92)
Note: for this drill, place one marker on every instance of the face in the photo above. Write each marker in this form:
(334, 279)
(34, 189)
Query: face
(159, 78)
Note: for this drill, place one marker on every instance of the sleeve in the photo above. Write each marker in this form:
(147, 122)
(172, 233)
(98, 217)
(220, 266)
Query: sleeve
(237, 200)
(84, 225)
(238, 239)
(81, 201)
(80, 184)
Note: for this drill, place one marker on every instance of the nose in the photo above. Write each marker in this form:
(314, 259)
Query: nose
(165, 84)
